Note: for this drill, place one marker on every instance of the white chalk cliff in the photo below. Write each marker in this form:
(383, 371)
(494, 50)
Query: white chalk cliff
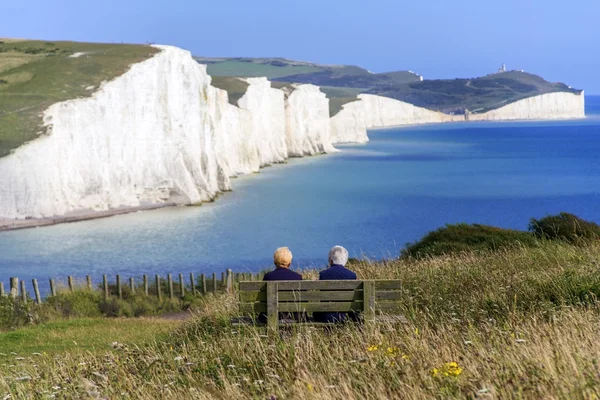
(161, 133)
(559, 105)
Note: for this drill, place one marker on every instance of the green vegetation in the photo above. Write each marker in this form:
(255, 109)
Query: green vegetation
(511, 323)
(457, 238)
(477, 95)
(453, 96)
(565, 226)
(84, 334)
(235, 88)
(255, 67)
(467, 238)
(341, 83)
(37, 74)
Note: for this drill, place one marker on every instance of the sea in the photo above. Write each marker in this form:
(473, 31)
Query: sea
(372, 199)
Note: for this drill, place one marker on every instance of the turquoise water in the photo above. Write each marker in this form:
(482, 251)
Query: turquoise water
(370, 198)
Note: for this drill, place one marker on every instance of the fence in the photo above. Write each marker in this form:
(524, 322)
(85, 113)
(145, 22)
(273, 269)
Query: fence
(198, 285)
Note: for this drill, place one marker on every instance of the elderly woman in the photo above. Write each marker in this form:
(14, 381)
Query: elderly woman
(282, 259)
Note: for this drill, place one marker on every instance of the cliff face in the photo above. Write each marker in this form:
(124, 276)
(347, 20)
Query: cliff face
(307, 115)
(372, 111)
(559, 105)
(159, 133)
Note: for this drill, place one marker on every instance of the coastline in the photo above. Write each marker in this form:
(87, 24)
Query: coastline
(12, 225)
(86, 215)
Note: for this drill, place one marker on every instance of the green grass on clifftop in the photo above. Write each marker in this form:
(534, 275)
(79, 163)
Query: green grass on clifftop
(37, 74)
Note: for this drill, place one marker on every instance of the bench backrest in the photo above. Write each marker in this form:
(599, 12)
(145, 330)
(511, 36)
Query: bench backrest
(273, 297)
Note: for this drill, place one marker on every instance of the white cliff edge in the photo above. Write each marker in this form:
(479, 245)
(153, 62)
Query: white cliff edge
(158, 134)
(560, 105)
(161, 134)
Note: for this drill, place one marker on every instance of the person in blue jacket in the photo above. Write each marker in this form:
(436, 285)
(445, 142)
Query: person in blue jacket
(338, 257)
(282, 272)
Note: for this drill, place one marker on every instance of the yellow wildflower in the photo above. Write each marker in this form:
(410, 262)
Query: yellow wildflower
(448, 369)
(373, 347)
(405, 357)
(309, 386)
(392, 351)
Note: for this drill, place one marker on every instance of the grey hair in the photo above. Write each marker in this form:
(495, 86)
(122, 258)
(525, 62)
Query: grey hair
(338, 255)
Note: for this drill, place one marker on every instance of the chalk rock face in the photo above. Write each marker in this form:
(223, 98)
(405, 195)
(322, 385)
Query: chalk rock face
(267, 108)
(143, 137)
(560, 105)
(307, 116)
(371, 111)
(158, 133)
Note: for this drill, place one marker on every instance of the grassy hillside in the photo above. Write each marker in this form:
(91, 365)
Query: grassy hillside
(449, 96)
(516, 323)
(476, 95)
(341, 83)
(36, 74)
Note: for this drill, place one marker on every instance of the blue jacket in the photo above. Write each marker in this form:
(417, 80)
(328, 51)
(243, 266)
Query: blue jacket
(282, 274)
(334, 273)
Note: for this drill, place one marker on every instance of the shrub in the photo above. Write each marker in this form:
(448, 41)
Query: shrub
(76, 304)
(457, 238)
(566, 227)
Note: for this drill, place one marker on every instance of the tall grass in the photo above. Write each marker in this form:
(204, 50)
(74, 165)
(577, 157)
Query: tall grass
(518, 323)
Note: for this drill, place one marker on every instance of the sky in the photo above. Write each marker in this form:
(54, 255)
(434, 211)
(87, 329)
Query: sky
(557, 39)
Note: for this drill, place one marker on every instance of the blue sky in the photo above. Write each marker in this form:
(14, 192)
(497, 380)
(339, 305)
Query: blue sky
(559, 40)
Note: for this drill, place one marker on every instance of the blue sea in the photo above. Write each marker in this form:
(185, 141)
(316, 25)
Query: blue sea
(371, 198)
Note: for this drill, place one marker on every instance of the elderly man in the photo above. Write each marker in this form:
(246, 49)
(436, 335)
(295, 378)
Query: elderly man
(338, 257)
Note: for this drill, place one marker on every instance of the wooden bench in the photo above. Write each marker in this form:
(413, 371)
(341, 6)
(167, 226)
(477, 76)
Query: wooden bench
(369, 298)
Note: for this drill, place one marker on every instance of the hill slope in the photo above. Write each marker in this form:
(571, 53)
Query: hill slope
(343, 83)
(36, 74)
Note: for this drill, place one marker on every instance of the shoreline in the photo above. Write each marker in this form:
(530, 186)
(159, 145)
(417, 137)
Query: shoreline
(7, 225)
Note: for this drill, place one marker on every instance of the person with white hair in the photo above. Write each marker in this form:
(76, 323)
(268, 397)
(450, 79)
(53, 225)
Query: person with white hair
(338, 257)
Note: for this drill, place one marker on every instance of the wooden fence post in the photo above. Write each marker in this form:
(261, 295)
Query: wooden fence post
(181, 286)
(214, 281)
(36, 290)
(203, 278)
(89, 282)
(1, 289)
(14, 287)
(71, 287)
(158, 288)
(229, 281)
(132, 285)
(223, 281)
(119, 289)
(170, 284)
(23, 292)
(145, 277)
(52, 288)
(105, 287)
(192, 284)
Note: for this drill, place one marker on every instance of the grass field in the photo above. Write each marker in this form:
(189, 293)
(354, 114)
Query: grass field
(36, 74)
(84, 334)
(513, 323)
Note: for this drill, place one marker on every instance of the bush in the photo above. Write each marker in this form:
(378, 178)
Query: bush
(75, 305)
(464, 237)
(566, 227)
